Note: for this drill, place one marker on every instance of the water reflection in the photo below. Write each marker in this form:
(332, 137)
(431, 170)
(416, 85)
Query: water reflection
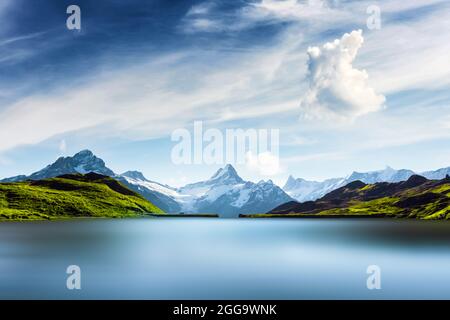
(225, 259)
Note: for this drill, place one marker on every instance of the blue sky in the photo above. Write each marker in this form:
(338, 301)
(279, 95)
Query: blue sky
(138, 70)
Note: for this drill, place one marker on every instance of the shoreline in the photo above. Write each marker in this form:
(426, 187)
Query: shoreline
(193, 215)
(310, 216)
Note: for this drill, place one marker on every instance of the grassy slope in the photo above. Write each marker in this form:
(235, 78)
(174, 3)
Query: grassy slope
(438, 208)
(71, 196)
(428, 201)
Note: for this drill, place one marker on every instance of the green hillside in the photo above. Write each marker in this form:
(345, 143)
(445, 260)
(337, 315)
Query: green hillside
(90, 195)
(417, 198)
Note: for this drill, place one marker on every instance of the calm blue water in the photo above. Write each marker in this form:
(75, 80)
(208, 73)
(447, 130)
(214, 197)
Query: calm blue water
(225, 259)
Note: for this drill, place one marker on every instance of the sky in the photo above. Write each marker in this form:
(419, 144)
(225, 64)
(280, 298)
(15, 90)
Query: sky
(346, 90)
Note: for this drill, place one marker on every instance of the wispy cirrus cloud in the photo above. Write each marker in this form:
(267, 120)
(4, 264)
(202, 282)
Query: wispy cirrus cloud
(412, 55)
(124, 102)
(211, 16)
(14, 50)
(8, 41)
(232, 63)
(201, 8)
(257, 82)
(290, 10)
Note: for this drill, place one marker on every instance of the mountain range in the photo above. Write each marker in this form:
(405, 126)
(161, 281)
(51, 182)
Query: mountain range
(416, 197)
(304, 190)
(225, 193)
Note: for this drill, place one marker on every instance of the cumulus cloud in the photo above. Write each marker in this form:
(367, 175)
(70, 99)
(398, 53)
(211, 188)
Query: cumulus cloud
(264, 163)
(337, 90)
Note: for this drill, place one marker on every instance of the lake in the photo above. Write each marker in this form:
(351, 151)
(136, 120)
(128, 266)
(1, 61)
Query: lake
(201, 258)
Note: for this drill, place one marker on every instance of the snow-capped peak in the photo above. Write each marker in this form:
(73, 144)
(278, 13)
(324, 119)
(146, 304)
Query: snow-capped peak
(84, 154)
(386, 175)
(263, 182)
(292, 183)
(290, 180)
(82, 162)
(226, 175)
(303, 190)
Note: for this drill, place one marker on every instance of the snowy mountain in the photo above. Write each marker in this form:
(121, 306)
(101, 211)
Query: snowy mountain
(82, 162)
(225, 193)
(229, 195)
(85, 161)
(164, 197)
(224, 178)
(304, 190)
(386, 175)
(438, 174)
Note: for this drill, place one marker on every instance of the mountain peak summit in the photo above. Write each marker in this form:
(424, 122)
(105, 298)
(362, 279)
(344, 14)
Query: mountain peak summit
(84, 153)
(290, 182)
(136, 175)
(227, 174)
(82, 162)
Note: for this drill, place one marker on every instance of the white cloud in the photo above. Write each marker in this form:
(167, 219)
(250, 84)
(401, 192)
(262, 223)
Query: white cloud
(337, 89)
(400, 128)
(208, 16)
(204, 25)
(410, 55)
(4, 42)
(231, 83)
(200, 18)
(264, 163)
(398, 55)
(149, 100)
(201, 8)
(395, 6)
(286, 10)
